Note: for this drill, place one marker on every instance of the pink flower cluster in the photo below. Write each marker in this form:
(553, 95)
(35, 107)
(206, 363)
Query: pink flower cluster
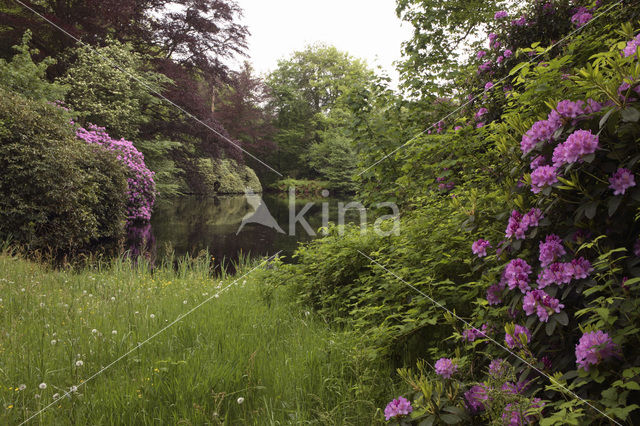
(632, 47)
(471, 334)
(543, 176)
(515, 340)
(142, 188)
(497, 367)
(476, 397)
(520, 22)
(480, 247)
(445, 367)
(562, 273)
(577, 145)
(517, 275)
(513, 415)
(398, 407)
(581, 17)
(540, 302)
(519, 224)
(594, 347)
(540, 131)
(481, 112)
(550, 250)
(539, 161)
(621, 180)
(485, 67)
(501, 14)
(494, 293)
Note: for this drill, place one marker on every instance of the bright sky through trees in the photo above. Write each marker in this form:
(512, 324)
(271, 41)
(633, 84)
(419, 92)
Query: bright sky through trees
(368, 29)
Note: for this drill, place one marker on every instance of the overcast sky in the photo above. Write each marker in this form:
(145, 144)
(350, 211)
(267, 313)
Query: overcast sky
(368, 29)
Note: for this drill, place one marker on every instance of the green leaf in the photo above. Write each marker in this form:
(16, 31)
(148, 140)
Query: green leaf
(428, 421)
(614, 203)
(605, 117)
(550, 327)
(590, 209)
(562, 318)
(450, 419)
(630, 114)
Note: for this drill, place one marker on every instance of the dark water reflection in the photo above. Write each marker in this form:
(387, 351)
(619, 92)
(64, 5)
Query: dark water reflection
(190, 224)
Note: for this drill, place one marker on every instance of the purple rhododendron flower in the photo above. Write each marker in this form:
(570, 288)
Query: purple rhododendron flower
(481, 54)
(539, 161)
(480, 247)
(556, 273)
(636, 248)
(517, 275)
(594, 347)
(546, 361)
(632, 47)
(445, 367)
(621, 180)
(570, 109)
(497, 367)
(540, 131)
(519, 224)
(493, 294)
(398, 407)
(540, 302)
(624, 88)
(481, 112)
(543, 176)
(581, 268)
(550, 250)
(581, 17)
(488, 86)
(471, 334)
(577, 145)
(501, 14)
(514, 340)
(508, 53)
(485, 67)
(592, 106)
(512, 416)
(475, 398)
(520, 22)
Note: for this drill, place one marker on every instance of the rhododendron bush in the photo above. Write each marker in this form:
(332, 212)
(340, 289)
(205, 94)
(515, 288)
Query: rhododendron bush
(141, 186)
(555, 338)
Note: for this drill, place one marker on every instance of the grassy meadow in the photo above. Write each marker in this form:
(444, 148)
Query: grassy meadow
(233, 360)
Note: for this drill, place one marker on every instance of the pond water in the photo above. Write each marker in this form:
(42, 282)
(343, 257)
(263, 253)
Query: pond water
(254, 225)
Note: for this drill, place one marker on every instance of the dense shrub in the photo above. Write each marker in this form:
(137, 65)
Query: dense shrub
(573, 226)
(56, 191)
(224, 176)
(141, 191)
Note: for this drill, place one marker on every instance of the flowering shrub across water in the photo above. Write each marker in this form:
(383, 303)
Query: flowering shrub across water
(142, 188)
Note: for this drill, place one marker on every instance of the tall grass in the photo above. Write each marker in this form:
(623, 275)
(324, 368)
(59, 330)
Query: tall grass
(62, 327)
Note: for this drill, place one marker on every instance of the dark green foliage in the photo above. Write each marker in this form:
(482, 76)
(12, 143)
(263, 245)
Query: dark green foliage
(21, 74)
(121, 99)
(311, 95)
(56, 192)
